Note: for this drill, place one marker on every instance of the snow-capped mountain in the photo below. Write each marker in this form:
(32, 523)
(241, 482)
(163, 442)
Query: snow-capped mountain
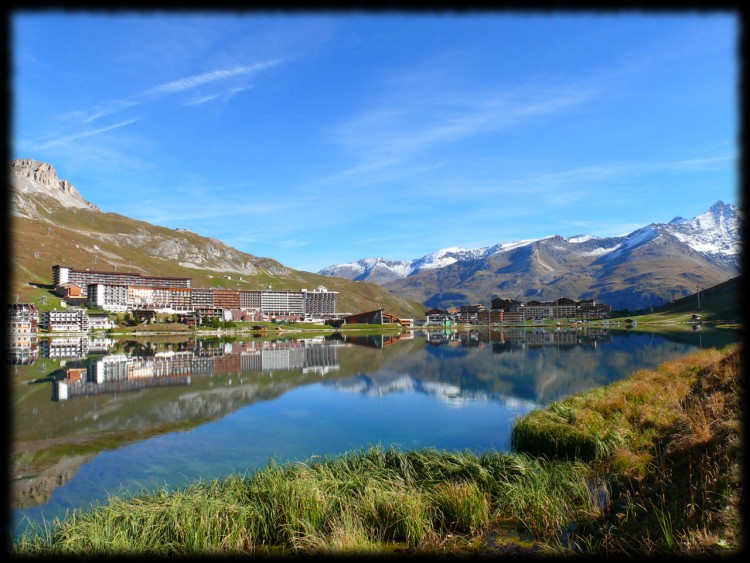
(715, 232)
(381, 270)
(650, 266)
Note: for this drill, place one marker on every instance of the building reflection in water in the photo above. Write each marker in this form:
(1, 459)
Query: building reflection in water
(510, 339)
(23, 348)
(122, 372)
(94, 371)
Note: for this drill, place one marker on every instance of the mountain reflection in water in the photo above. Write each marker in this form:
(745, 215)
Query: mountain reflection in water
(108, 417)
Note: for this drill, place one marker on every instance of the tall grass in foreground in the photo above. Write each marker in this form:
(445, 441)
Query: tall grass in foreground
(667, 442)
(356, 503)
(623, 420)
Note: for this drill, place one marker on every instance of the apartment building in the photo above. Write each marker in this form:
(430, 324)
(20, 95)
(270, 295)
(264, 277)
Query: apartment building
(66, 320)
(100, 321)
(22, 318)
(201, 298)
(227, 298)
(83, 278)
(282, 303)
(250, 300)
(173, 299)
(123, 291)
(562, 308)
(108, 297)
(590, 309)
(320, 303)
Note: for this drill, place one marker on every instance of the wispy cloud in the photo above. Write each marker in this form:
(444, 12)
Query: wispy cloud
(191, 82)
(389, 135)
(203, 205)
(583, 181)
(78, 119)
(109, 109)
(199, 101)
(68, 138)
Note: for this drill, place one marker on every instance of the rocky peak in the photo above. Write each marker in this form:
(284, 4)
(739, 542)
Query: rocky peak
(32, 177)
(41, 172)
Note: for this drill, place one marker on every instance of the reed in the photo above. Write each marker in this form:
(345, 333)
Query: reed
(625, 418)
(360, 503)
(678, 475)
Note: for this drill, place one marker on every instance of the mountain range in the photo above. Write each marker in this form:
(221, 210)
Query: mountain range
(51, 223)
(653, 265)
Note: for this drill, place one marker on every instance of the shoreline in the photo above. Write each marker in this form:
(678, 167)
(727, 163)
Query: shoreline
(290, 329)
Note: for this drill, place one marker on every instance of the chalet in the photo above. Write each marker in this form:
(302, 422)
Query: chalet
(69, 290)
(376, 317)
(100, 321)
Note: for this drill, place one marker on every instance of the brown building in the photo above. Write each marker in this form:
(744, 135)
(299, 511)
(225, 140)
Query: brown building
(227, 298)
(377, 317)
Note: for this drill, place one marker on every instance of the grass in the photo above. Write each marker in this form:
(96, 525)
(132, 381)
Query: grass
(649, 465)
(365, 502)
(623, 420)
(675, 475)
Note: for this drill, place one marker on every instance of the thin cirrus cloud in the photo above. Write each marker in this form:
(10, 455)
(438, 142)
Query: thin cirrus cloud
(200, 101)
(82, 134)
(113, 107)
(161, 213)
(108, 109)
(387, 136)
(191, 82)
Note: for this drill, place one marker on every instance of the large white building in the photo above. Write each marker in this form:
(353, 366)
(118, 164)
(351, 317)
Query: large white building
(108, 297)
(66, 320)
(62, 275)
(123, 291)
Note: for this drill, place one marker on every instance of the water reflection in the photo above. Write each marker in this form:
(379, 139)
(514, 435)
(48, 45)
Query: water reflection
(122, 372)
(536, 367)
(90, 416)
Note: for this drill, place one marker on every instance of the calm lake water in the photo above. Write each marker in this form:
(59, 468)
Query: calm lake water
(129, 415)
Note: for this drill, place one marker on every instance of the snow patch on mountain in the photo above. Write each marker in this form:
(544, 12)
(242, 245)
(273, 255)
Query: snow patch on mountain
(715, 232)
(580, 238)
(511, 245)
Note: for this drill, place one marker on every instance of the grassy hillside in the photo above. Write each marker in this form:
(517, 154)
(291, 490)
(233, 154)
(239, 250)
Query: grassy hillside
(112, 242)
(718, 304)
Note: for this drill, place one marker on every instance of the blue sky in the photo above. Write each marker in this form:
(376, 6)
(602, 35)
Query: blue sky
(321, 138)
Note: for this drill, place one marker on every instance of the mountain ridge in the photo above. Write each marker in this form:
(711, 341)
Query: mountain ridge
(51, 223)
(649, 266)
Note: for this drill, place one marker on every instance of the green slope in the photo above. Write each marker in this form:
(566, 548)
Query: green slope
(109, 242)
(718, 304)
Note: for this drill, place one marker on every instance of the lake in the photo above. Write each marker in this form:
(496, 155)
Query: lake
(96, 417)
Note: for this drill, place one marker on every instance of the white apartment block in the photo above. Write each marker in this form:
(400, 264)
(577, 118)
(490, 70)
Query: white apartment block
(23, 318)
(83, 278)
(68, 320)
(282, 303)
(108, 297)
(119, 292)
